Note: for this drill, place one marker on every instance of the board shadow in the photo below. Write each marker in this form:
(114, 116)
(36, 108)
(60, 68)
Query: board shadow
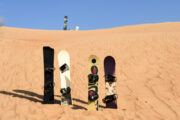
(81, 101)
(76, 107)
(30, 96)
(20, 96)
(84, 102)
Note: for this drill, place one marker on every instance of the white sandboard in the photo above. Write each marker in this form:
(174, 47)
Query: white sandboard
(63, 59)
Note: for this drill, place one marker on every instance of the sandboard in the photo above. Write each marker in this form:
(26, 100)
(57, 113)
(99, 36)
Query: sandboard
(64, 67)
(93, 85)
(110, 87)
(48, 55)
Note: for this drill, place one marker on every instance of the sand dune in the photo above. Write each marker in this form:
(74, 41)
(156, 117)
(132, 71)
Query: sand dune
(147, 69)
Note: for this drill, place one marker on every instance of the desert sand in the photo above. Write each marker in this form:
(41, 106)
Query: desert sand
(147, 69)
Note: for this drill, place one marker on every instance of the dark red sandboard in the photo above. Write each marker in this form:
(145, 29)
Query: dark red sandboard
(109, 69)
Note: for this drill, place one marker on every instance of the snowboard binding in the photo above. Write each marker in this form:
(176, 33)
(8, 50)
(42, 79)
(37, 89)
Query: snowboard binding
(48, 87)
(93, 78)
(49, 69)
(65, 91)
(109, 98)
(64, 68)
(93, 95)
(110, 78)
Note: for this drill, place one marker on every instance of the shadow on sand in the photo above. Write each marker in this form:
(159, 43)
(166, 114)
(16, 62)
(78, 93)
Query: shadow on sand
(34, 97)
(28, 95)
(76, 107)
(81, 101)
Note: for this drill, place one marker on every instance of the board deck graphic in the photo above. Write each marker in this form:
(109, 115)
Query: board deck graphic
(93, 83)
(64, 68)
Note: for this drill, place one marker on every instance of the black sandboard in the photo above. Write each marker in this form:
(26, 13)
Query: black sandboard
(109, 69)
(48, 55)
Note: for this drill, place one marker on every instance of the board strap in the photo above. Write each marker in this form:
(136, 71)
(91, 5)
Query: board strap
(64, 68)
(110, 78)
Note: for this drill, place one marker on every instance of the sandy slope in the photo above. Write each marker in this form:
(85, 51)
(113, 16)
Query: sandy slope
(147, 69)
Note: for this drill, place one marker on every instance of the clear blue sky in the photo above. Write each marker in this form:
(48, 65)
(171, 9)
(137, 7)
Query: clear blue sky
(87, 14)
